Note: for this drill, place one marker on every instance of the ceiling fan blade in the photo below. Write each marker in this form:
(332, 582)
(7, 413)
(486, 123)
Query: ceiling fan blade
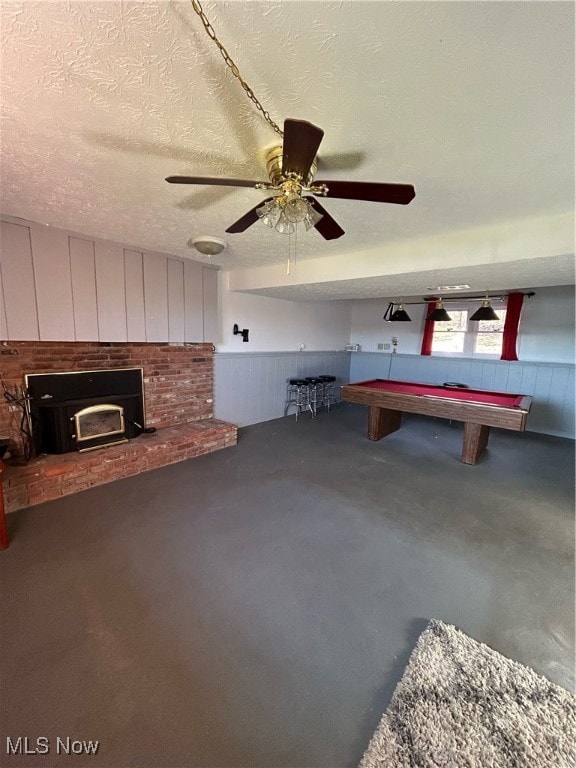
(248, 219)
(208, 180)
(401, 194)
(301, 142)
(327, 226)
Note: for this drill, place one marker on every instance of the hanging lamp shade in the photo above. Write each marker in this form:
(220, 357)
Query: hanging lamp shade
(485, 312)
(439, 314)
(400, 315)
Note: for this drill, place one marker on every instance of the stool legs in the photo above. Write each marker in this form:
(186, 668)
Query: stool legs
(327, 386)
(310, 394)
(298, 395)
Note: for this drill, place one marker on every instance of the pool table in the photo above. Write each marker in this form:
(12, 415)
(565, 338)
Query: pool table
(479, 409)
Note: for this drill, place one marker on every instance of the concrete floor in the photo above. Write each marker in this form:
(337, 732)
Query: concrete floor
(257, 606)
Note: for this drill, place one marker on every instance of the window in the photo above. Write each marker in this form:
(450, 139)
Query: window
(459, 336)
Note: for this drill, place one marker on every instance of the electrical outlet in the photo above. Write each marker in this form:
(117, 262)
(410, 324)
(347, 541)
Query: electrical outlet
(380, 346)
(386, 346)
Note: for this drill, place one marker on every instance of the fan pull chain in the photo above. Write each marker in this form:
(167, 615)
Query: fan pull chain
(295, 242)
(294, 249)
(230, 63)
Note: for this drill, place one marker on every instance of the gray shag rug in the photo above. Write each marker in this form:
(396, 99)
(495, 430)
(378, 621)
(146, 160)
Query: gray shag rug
(461, 704)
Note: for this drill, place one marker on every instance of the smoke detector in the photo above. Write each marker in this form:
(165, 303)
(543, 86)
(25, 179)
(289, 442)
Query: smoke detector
(209, 246)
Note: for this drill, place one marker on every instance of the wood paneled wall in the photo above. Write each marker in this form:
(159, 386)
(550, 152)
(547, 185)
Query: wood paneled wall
(251, 387)
(58, 286)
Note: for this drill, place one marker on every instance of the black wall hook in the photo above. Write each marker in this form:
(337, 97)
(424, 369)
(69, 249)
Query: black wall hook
(243, 333)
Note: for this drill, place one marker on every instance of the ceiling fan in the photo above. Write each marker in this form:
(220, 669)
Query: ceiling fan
(291, 169)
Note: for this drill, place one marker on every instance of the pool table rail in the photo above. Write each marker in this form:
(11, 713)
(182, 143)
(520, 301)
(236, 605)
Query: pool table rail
(443, 407)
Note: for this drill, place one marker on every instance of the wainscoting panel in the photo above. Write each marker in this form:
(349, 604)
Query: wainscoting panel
(550, 384)
(251, 387)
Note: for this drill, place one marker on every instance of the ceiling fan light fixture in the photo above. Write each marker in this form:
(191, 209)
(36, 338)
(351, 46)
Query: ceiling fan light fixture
(284, 212)
(284, 225)
(312, 218)
(269, 213)
(296, 209)
(291, 169)
(209, 246)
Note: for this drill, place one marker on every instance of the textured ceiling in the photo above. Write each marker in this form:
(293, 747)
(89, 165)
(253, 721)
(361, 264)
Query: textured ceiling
(472, 103)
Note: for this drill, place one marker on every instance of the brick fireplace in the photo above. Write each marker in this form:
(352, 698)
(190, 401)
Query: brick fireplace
(178, 384)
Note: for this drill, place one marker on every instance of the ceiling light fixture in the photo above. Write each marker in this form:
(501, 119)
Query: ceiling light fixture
(449, 288)
(397, 316)
(439, 314)
(485, 312)
(400, 315)
(209, 246)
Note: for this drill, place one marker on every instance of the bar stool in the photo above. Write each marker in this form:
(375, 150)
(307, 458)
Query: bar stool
(315, 386)
(298, 395)
(328, 396)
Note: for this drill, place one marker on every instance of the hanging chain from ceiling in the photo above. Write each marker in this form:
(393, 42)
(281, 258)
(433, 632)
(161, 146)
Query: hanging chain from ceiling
(235, 71)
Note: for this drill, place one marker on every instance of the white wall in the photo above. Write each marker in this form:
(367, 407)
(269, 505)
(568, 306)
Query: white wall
(546, 327)
(277, 325)
(369, 329)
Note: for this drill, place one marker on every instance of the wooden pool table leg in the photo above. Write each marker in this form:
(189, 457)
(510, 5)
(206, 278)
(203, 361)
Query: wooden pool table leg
(382, 421)
(475, 440)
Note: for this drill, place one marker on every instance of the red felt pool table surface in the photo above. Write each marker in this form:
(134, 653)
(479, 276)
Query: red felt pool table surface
(432, 390)
(479, 409)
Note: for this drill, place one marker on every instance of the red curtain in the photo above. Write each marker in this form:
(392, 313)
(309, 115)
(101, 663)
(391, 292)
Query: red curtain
(428, 331)
(513, 311)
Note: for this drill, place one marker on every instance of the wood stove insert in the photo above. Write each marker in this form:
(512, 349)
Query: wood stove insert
(84, 410)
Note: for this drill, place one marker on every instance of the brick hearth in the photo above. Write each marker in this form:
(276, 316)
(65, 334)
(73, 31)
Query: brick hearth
(178, 395)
